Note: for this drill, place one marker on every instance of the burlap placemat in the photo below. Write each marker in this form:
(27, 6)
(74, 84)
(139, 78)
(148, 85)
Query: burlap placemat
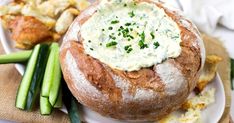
(214, 46)
(10, 78)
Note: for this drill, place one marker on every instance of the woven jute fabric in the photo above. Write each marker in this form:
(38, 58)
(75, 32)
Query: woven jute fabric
(215, 47)
(10, 79)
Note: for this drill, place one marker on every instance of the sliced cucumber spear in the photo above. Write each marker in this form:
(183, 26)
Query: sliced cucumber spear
(23, 89)
(37, 77)
(52, 77)
(54, 90)
(45, 107)
(17, 57)
(71, 104)
(49, 73)
(59, 101)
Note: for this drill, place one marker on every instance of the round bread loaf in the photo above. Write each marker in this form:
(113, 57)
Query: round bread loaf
(145, 94)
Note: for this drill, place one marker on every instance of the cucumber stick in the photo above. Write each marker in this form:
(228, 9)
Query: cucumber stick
(71, 104)
(54, 90)
(73, 111)
(37, 77)
(45, 107)
(59, 101)
(48, 78)
(52, 77)
(23, 89)
(17, 57)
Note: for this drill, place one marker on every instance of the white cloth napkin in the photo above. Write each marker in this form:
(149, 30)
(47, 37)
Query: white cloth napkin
(207, 14)
(214, 17)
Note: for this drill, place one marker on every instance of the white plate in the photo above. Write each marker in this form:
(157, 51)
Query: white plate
(212, 114)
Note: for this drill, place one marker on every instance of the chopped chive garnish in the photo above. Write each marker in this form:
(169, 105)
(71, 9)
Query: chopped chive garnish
(125, 5)
(142, 35)
(110, 28)
(125, 32)
(156, 45)
(130, 36)
(142, 45)
(112, 37)
(89, 41)
(128, 48)
(113, 43)
(100, 44)
(103, 29)
(127, 24)
(114, 22)
(141, 42)
(91, 48)
(152, 35)
(131, 14)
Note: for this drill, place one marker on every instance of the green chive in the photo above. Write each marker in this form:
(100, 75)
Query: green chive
(110, 28)
(152, 35)
(131, 14)
(112, 37)
(114, 22)
(126, 47)
(141, 42)
(156, 45)
(142, 35)
(130, 36)
(127, 24)
(129, 50)
(113, 43)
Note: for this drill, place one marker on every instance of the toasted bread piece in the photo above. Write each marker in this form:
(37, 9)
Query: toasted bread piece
(28, 31)
(208, 72)
(200, 101)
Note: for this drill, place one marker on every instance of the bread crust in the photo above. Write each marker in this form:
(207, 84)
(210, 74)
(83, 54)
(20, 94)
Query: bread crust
(147, 94)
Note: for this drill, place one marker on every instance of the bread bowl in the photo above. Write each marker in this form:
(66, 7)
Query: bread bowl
(144, 78)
